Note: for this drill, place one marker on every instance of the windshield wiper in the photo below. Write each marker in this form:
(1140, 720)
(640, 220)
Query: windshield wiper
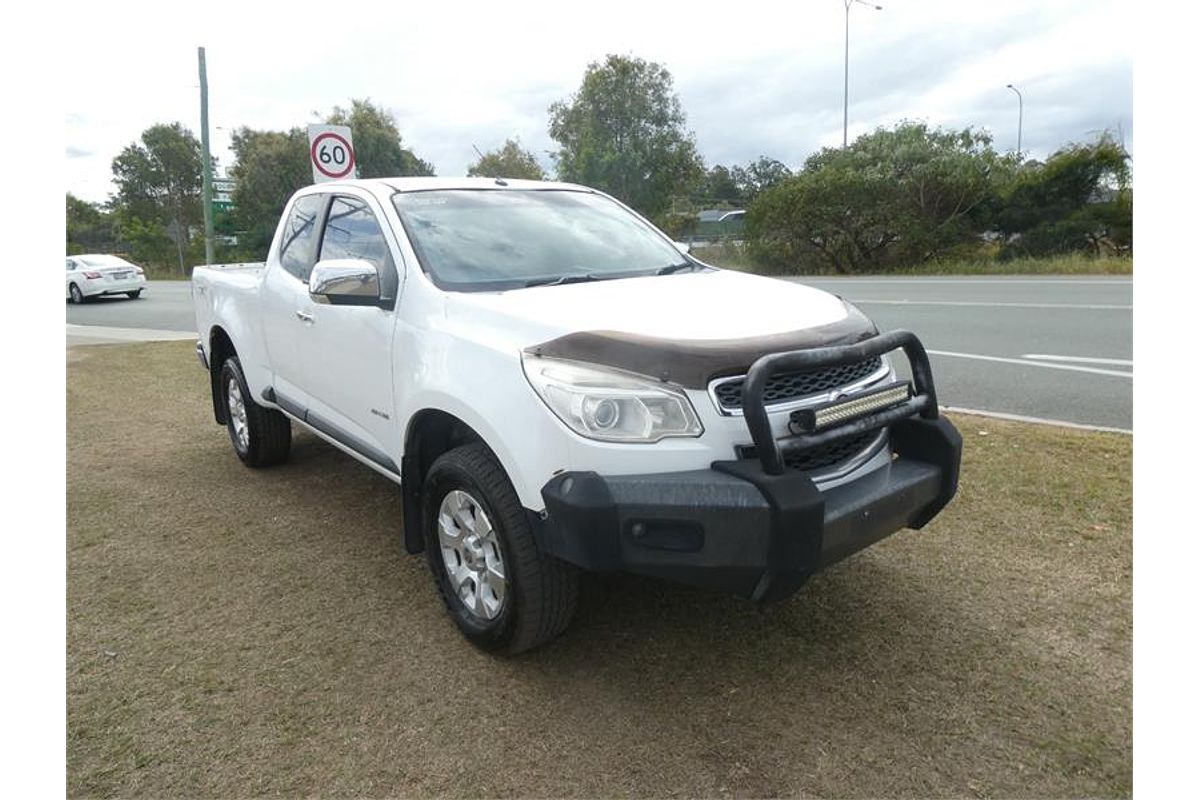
(673, 268)
(561, 279)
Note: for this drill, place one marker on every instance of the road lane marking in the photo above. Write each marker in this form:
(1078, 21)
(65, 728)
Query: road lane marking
(1117, 362)
(966, 281)
(1027, 363)
(980, 303)
(1035, 420)
(127, 334)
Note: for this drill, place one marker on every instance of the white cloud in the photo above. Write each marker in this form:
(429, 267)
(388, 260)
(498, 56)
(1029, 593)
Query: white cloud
(755, 77)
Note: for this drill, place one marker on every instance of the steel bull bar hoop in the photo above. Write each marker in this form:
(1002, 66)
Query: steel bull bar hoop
(771, 452)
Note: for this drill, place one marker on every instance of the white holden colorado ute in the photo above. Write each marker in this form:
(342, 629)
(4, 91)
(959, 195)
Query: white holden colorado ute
(557, 386)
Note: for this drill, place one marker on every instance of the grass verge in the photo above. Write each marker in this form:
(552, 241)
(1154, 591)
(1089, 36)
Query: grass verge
(235, 633)
(733, 256)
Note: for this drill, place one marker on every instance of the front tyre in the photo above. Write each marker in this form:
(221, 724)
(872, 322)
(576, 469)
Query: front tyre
(261, 436)
(502, 592)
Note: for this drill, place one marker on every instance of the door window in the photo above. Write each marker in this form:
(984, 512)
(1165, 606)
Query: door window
(352, 231)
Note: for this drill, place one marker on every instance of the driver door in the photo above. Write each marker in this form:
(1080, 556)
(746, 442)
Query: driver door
(347, 349)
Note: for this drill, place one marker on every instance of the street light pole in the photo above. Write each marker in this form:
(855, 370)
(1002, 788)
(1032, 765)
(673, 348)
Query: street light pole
(846, 86)
(1020, 115)
(846, 72)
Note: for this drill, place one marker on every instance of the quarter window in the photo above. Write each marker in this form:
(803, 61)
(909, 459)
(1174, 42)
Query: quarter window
(297, 252)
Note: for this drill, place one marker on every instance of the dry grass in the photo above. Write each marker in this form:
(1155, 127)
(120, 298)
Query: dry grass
(238, 633)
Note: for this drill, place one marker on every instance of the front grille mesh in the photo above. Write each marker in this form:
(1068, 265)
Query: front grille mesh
(828, 455)
(821, 457)
(793, 385)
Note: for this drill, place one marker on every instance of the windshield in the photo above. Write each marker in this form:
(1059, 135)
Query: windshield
(479, 240)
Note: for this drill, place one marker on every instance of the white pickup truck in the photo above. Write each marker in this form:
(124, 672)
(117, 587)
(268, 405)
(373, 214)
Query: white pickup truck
(556, 385)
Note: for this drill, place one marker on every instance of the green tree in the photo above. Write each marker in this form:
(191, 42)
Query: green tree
(90, 228)
(1079, 199)
(893, 198)
(510, 161)
(758, 176)
(158, 181)
(719, 188)
(378, 147)
(269, 167)
(624, 132)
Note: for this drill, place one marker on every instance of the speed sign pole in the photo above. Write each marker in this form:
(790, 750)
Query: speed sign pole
(331, 151)
(205, 162)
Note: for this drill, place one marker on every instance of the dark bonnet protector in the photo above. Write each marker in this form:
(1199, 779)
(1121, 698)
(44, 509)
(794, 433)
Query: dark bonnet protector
(693, 364)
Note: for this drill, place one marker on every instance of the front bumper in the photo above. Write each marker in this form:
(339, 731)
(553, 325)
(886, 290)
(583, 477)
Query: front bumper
(751, 526)
(738, 529)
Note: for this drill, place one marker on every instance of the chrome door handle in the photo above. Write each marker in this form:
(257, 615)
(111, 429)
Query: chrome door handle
(300, 315)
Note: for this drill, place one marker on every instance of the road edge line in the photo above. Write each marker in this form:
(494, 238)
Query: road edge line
(1034, 420)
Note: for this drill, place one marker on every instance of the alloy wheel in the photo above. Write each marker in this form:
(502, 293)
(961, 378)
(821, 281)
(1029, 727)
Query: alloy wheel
(471, 554)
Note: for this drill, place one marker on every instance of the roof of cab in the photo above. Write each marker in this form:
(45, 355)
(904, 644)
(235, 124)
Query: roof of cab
(428, 184)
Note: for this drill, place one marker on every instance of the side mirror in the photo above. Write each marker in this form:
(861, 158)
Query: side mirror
(683, 247)
(344, 282)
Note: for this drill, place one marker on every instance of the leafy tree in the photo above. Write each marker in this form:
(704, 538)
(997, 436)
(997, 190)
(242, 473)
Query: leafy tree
(378, 147)
(758, 176)
(894, 198)
(90, 229)
(624, 132)
(269, 167)
(1079, 199)
(510, 161)
(147, 241)
(720, 188)
(822, 220)
(158, 180)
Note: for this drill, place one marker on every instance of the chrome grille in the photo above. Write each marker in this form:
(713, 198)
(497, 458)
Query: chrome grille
(788, 386)
(828, 455)
(822, 457)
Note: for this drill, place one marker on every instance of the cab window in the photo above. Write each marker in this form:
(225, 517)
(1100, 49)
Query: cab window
(297, 251)
(352, 231)
(70, 265)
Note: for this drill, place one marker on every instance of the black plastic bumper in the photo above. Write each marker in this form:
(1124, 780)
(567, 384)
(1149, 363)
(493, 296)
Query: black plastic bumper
(750, 526)
(739, 529)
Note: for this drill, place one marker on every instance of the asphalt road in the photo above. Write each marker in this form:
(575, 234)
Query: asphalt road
(165, 305)
(983, 334)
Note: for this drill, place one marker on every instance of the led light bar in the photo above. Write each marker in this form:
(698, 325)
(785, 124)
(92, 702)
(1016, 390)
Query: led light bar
(810, 420)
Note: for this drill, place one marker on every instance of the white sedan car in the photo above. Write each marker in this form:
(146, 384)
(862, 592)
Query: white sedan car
(95, 275)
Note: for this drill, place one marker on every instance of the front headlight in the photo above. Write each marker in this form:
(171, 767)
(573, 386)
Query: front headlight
(608, 405)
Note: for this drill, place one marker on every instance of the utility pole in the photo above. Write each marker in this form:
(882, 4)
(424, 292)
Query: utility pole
(846, 73)
(1020, 115)
(206, 162)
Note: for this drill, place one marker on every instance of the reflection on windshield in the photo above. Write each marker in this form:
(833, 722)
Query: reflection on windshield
(499, 239)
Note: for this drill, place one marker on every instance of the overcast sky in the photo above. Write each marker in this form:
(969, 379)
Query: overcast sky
(755, 78)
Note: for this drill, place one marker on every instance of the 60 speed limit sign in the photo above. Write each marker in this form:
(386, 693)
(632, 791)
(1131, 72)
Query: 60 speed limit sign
(331, 152)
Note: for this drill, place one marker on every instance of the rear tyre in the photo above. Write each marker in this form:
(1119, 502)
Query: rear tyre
(76, 294)
(501, 591)
(134, 295)
(262, 437)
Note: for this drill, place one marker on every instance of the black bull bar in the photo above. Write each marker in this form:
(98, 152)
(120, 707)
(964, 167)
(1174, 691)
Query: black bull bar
(772, 452)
